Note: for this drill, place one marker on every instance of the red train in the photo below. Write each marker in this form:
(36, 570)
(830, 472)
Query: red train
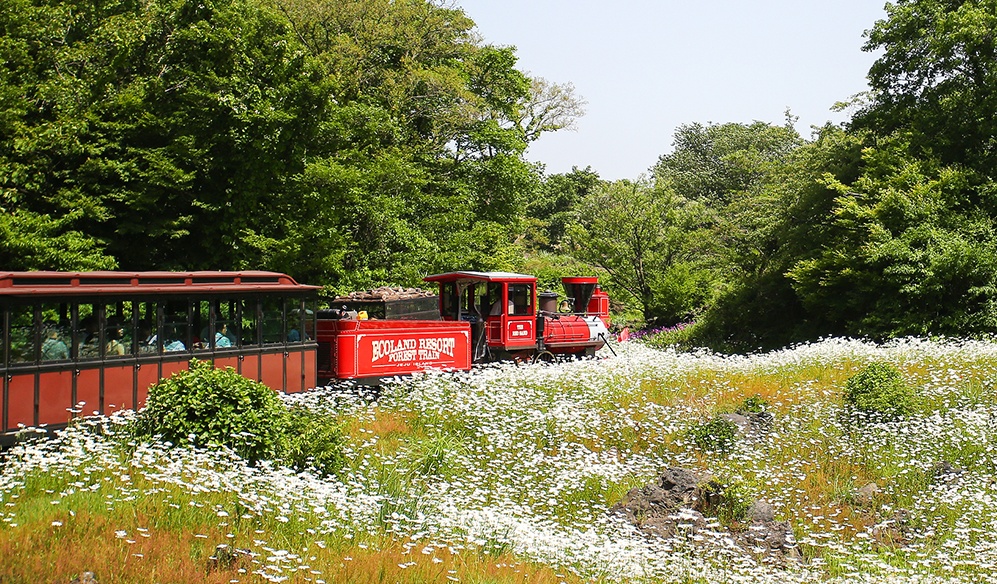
(482, 316)
(93, 342)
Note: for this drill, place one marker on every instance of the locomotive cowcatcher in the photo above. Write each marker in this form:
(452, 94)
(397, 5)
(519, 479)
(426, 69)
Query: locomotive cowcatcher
(484, 316)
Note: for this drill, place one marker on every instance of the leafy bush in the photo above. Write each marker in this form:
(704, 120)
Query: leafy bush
(754, 404)
(208, 406)
(728, 500)
(880, 389)
(219, 407)
(678, 335)
(314, 441)
(717, 435)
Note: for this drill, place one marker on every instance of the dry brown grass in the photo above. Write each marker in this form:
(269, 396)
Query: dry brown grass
(40, 552)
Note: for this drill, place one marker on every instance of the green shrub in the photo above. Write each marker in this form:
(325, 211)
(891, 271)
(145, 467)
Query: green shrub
(314, 442)
(880, 389)
(754, 404)
(717, 435)
(208, 406)
(728, 500)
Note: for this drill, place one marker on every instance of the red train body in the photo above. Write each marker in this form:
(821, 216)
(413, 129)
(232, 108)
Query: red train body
(483, 316)
(93, 342)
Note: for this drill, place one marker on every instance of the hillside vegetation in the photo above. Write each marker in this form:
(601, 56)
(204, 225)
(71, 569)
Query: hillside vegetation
(366, 142)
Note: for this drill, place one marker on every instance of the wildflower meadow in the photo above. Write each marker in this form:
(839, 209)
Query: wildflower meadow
(507, 474)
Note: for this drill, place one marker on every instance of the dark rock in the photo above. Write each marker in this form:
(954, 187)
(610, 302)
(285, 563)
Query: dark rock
(679, 503)
(867, 495)
(761, 511)
(750, 424)
(945, 470)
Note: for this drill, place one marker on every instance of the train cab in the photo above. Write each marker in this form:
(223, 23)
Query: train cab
(500, 306)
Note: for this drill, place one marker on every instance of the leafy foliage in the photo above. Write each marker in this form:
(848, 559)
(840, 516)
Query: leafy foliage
(880, 389)
(717, 435)
(315, 442)
(207, 406)
(935, 78)
(347, 143)
(636, 232)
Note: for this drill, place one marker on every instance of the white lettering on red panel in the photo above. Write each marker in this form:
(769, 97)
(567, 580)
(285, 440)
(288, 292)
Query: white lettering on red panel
(403, 350)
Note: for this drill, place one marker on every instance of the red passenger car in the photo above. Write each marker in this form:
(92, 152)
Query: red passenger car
(95, 341)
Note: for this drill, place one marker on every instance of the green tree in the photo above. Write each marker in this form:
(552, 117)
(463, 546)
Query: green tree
(636, 232)
(936, 79)
(792, 221)
(162, 130)
(554, 207)
(914, 250)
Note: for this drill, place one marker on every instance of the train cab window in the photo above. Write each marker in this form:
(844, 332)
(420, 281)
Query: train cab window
(520, 299)
(492, 302)
(272, 324)
(449, 300)
(23, 340)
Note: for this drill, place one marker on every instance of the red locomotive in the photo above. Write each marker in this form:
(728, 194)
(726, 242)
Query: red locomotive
(483, 316)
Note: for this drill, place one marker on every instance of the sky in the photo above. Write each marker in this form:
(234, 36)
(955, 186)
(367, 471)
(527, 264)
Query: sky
(646, 67)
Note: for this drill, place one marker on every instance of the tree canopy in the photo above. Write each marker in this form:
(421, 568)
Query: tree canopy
(347, 143)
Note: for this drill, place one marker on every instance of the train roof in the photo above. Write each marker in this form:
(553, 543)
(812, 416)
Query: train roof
(481, 277)
(46, 283)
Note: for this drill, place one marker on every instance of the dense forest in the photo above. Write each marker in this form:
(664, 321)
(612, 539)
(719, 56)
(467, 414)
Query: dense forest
(365, 142)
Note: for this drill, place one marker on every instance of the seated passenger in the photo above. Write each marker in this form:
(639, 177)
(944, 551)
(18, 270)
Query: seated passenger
(115, 345)
(221, 337)
(174, 346)
(53, 348)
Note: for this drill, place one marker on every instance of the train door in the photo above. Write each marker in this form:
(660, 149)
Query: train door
(493, 307)
(519, 322)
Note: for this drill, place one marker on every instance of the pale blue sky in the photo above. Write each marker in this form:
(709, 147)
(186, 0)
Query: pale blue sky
(645, 67)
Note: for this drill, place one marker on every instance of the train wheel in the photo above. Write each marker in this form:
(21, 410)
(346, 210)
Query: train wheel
(544, 357)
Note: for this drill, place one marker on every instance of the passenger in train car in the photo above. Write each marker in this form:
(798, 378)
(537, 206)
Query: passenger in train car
(148, 337)
(222, 339)
(54, 349)
(174, 345)
(89, 340)
(115, 343)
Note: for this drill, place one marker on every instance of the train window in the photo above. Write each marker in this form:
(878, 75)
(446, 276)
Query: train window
(311, 306)
(226, 331)
(148, 333)
(449, 299)
(87, 334)
(520, 299)
(176, 333)
(23, 341)
(492, 303)
(300, 322)
(249, 329)
(272, 324)
(201, 324)
(119, 330)
(56, 332)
